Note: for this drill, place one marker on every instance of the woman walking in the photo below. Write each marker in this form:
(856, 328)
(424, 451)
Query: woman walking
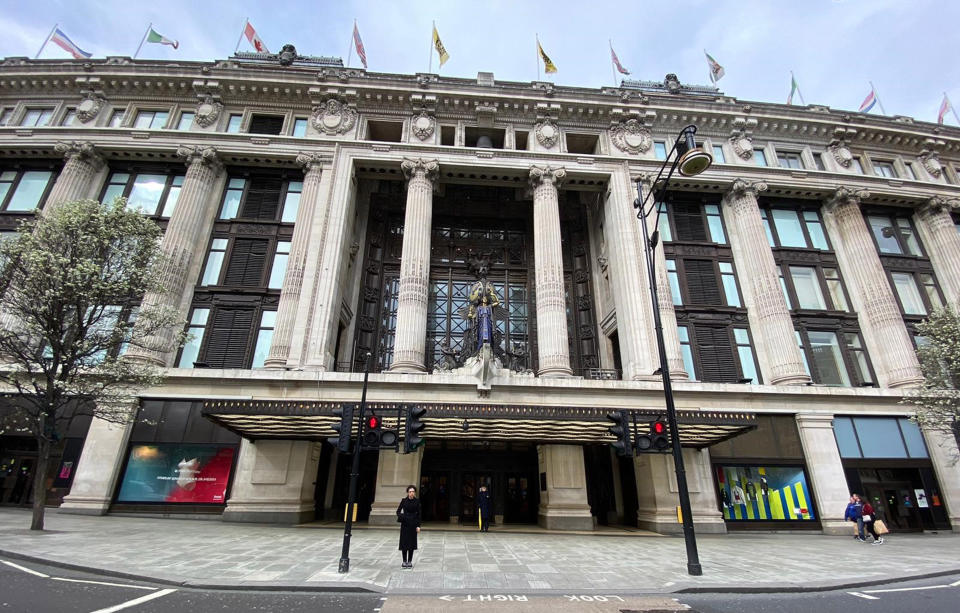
(408, 514)
(869, 517)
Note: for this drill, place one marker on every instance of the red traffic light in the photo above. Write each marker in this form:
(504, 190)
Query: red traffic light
(659, 427)
(373, 422)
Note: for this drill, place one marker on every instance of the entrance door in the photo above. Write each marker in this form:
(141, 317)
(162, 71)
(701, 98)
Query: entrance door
(435, 496)
(519, 506)
(16, 479)
(469, 487)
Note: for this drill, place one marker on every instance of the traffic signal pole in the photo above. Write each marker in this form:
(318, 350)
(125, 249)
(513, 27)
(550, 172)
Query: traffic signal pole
(344, 566)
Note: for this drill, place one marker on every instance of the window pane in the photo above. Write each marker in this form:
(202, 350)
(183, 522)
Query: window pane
(827, 358)
(884, 233)
(786, 294)
(914, 438)
(807, 286)
(856, 166)
(759, 158)
(299, 127)
(815, 229)
(718, 155)
(909, 238)
(855, 347)
(788, 227)
(818, 160)
(715, 224)
(279, 269)
(906, 287)
(879, 437)
(836, 289)
(173, 196)
(765, 216)
(674, 282)
(186, 120)
(233, 125)
(144, 119)
(112, 192)
(159, 120)
(803, 351)
(729, 284)
(199, 317)
(846, 437)
(211, 274)
(69, 118)
(663, 222)
(264, 338)
(146, 193)
(930, 288)
(116, 119)
(684, 335)
(32, 185)
(909, 168)
(290, 207)
(660, 150)
(747, 364)
(231, 203)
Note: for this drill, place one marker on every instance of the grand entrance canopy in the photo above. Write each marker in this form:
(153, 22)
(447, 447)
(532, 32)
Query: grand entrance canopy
(266, 419)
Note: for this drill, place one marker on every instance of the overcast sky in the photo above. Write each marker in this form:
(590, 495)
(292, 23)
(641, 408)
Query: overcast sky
(908, 48)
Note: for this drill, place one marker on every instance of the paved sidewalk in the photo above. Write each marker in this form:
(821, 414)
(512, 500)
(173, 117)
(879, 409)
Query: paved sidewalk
(212, 553)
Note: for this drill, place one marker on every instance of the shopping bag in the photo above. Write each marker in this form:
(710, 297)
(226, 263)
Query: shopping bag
(880, 527)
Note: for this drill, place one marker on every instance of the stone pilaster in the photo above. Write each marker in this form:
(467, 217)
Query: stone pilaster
(827, 479)
(310, 196)
(563, 505)
(942, 241)
(395, 472)
(412, 292)
(658, 495)
(184, 243)
(552, 338)
(760, 282)
(888, 342)
(76, 180)
(274, 482)
(942, 447)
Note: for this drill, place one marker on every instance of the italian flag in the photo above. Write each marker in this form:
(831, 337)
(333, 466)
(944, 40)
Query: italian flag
(156, 37)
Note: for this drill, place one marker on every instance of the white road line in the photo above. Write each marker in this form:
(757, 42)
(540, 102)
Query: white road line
(859, 595)
(136, 587)
(955, 584)
(906, 589)
(135, 601)
(25, 569)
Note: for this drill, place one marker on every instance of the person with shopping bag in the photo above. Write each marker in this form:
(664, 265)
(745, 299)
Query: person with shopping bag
(870, 520)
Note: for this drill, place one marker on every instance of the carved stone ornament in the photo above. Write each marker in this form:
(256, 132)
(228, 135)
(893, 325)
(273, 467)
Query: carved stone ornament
(83, 151)
(411, 167)
(841, 153)
(631, 137)
(742, 144)
(207, 111)
(931, 162)
(844, 195)
(287, 55)
(334, 117)
(540, 174)
(672, 83)
(312, 161)
(423, 125)
(743, 186)
(90, 107)
(547, 133)
(194, 154)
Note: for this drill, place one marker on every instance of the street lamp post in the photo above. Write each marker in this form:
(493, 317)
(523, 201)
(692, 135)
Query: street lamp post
(691, 160)
(344, 565)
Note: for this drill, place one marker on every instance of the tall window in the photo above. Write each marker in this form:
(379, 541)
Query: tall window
(196, 329)
(153, 193)
(834, 358)
(300, 126)
(894, 233)
(234, 122)
(660, 150)
(794, 227)
(718, 157)
(718, 354)
(268, 320)
(23, 190)
(263, 198)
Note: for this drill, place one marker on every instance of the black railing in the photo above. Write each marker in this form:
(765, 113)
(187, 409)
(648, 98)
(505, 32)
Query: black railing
(608, 374)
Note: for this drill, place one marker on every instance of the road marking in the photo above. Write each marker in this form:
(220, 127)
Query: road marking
(136, 601)
(136, 587)
(25, 569)
(859, 595)
(955, 584)
(906, 589)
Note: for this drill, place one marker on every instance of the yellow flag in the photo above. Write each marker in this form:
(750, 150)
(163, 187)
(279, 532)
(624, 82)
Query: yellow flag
(548, 66)
(441, 50)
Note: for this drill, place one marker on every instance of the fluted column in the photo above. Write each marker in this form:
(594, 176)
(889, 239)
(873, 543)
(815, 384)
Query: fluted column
(75, 181)
(313, 165)
(183, 242)
(942, 241)
(411, 330)
(886, 335)
(552, 340)
(760, 281)
(668, 316)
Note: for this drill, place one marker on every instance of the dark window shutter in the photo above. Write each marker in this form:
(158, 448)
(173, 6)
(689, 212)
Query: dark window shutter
(688, 218)
(266, 124)
(263, 199)
(717, 364)
(229, 335)
(702, 285)
(247, 260)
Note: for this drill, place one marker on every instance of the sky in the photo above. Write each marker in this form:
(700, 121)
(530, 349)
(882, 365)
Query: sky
(908, 48)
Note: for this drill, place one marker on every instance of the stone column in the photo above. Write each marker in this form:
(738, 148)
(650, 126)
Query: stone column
(412, 293)
(563, 506)
(891, 349)
(628, 283)
(395, 471)
(310, 196)
(184, 243)
(827, 479)
(76, 180)
(943, 451)
(942, 241)
(668, 316)
(552, 340)
(760, 282)
(274, 482)
(658, 495)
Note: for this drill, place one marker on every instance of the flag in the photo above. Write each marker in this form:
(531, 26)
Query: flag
(548, 66)
(359, 45)
(63, 41)
(868, 102)
(156, 37)
(616, 62)
(716, 70)
(793, 88)
(441, 50)
(944, 107)
(254, 39)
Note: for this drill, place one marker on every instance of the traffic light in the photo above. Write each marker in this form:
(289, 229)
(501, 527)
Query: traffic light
(621, 429)
(414, 424)
(656, 440)
(343, 428)
(375, 437)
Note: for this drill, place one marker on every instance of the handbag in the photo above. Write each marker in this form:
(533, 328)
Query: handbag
(880, 527)
(867, 518)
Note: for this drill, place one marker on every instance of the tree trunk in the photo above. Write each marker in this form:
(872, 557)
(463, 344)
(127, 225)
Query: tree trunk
(40, 483)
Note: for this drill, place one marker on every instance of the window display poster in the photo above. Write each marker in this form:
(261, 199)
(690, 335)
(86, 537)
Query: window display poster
(764, 493)
(922, 501)
(176, 473)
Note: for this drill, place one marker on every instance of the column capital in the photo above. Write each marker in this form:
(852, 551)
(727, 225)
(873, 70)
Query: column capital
(846, 195)
(937, 204)
(429, 169)
(540, 174)
(741, 187)
(82, 151)
(196, 154)
(643, 177)
(313, 161)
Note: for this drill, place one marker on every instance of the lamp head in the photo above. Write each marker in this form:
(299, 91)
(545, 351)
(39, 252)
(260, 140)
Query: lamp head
(693, 159)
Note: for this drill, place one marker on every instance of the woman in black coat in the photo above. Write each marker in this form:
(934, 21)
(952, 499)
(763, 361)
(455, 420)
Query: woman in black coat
(408, 514)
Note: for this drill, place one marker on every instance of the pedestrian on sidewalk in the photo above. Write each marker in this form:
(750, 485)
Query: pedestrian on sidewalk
(485, 508)
(854, 513)
(408, 514)
(869, 517)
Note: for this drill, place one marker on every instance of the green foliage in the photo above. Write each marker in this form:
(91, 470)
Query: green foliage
(937, 401)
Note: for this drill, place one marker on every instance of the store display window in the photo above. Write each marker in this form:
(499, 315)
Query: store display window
(177, 473)
(764, 493)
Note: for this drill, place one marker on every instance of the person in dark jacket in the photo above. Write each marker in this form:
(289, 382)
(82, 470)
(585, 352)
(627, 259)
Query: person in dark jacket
(408, 514)
(485, 506)
(854, 513)
(869, 516)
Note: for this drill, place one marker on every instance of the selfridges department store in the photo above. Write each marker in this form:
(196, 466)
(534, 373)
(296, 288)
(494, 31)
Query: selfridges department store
(320, 214)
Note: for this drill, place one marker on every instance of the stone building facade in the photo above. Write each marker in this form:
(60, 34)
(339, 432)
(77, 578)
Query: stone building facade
(315, 215)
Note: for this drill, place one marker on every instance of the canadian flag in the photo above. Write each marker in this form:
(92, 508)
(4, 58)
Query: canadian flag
(251, 35)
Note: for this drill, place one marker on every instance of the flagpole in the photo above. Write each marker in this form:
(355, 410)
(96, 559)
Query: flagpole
(537, 36)
(143, 40)
(880, 102)
(430, 69)
(793, 79)
(46, 40)
(242, 30)
(352, 43)
(613, 71)
(953, 110)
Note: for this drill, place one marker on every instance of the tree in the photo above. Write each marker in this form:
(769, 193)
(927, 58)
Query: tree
(938, 400)
(71, 281)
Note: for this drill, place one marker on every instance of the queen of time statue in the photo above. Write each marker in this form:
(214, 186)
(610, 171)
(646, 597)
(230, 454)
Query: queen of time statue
(484, 309)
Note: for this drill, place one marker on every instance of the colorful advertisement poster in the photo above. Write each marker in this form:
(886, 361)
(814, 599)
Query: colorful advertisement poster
(764, 493)
(177, 473)
(922, 501)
